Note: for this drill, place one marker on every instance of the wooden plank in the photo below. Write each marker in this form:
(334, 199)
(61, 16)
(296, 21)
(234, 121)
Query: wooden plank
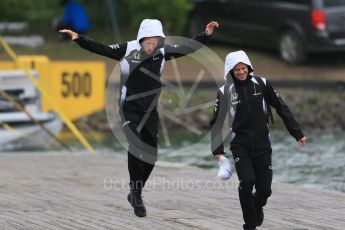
(76, 191)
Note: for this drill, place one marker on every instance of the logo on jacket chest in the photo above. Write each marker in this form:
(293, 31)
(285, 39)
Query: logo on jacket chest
(234, 99)
(157, 55)
(137, 57)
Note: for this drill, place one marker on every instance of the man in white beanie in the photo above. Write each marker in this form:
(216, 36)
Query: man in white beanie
(247, 100)
(142, 62)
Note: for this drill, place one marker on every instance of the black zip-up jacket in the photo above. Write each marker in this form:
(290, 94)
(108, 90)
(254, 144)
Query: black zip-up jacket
(140, 73)
(248, 101)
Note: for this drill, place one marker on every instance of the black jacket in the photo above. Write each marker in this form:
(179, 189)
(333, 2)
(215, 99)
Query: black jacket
(247, 102)
(140, 73)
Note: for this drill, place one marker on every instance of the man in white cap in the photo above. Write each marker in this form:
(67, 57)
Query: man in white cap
(248, 100)
(142, 62)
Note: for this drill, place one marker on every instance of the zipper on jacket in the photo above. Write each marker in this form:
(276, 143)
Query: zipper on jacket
(249, 110)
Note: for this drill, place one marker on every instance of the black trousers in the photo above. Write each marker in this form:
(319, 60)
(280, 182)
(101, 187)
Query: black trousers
(141, 130)
(254, 169)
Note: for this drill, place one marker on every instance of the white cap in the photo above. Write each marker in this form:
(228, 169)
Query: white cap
(232, 59)
(150, 28)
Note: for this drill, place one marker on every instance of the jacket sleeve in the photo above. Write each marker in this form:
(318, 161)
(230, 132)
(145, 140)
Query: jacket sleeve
(216, 124)
(284, 112)
(190, 46)
(114, 51)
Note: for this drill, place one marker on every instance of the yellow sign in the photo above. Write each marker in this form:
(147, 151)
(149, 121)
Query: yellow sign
(78, 87)
(7, 65)
(43, 65)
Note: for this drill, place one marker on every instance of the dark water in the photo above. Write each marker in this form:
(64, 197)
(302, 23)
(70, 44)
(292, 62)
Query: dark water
(321, 163)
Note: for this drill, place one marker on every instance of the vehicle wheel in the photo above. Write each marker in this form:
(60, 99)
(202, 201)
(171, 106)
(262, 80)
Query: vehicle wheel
(291, 47)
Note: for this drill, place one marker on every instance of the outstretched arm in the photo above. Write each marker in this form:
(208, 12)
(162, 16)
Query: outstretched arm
(115, 51)
(216, 125)
(284, 112)
(176, 51)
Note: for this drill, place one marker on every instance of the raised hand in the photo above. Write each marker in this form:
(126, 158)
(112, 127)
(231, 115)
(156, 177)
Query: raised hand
(210, 27)
(70, 33)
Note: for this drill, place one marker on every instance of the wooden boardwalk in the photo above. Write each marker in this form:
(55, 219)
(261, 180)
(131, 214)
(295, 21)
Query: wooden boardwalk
(64, 191)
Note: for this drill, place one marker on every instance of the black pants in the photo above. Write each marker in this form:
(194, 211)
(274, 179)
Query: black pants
(254, 168)
(141, 130)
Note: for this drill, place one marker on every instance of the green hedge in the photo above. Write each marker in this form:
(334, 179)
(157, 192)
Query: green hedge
(40, 13)
(172, 13)
(32, 11)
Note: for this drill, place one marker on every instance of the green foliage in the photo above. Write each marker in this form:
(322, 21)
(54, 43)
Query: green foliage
(40, 13)
(33, 11)
(172, 13)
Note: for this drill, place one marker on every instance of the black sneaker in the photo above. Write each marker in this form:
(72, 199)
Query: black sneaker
(248, 228)
(134, 197)
(259, 216)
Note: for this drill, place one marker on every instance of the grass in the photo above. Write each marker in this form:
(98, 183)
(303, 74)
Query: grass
(107, 36)
(266, 62)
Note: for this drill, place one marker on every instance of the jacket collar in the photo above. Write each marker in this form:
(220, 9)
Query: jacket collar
(238, 82)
